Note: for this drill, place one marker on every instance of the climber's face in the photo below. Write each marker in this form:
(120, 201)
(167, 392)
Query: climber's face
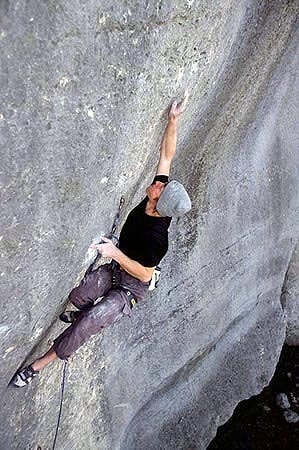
(155, 190)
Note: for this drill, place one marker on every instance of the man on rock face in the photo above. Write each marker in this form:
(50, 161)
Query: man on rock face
(143, 243)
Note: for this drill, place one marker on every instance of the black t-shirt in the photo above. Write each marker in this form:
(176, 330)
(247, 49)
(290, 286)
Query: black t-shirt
(144, 238)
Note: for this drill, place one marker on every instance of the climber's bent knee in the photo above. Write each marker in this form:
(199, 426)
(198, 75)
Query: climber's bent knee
(94, 285)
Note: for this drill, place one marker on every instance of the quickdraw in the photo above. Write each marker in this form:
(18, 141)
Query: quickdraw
(111, 235)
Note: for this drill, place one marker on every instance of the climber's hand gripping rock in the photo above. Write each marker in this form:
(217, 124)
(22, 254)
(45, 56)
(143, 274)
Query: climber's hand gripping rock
(177, 108)
(107, 249)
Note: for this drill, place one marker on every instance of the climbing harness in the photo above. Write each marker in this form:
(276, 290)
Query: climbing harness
(61, 402)
(117, 285)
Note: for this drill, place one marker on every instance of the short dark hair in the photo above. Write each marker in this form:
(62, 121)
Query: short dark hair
(161, 178)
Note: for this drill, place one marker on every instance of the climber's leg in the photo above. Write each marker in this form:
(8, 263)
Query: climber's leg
(26, 374)
(46, 359)
(91, 321)
(94, 285)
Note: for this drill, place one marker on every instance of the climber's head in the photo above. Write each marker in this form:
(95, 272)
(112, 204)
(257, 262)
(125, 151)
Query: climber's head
(173, 200)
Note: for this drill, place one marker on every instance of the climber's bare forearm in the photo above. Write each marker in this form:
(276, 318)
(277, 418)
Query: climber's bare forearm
(169, 140)
(133, 267)
(168, 146)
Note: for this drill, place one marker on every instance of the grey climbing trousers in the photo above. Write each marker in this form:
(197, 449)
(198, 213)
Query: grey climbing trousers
(110, 284)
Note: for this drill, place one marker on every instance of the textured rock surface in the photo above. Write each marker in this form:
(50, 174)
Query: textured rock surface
(84, 87)
(290, 299)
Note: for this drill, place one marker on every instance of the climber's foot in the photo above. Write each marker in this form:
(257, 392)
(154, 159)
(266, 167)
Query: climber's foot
(69, 316)
(24, 376)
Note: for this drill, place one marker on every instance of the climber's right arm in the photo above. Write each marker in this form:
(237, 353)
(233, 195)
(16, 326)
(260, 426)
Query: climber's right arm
(169, 140)
(168, 147)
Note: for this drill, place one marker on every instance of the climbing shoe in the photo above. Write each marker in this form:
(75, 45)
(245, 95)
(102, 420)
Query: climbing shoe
(69, 316)
(24, 376)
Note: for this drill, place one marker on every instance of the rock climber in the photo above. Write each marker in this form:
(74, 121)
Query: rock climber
(143, 242)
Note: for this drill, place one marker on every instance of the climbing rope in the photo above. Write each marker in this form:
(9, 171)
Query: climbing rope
(61, 402)
(117, 216)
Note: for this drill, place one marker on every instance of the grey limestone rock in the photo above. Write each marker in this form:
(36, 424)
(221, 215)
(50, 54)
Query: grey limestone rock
(290, 299)
(84, 91)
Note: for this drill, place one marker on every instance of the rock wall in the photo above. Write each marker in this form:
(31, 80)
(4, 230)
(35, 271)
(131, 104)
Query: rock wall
(290, 299)
(85, 87)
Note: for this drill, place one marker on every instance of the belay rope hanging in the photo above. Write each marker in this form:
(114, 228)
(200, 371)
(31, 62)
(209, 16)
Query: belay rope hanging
(61, 401)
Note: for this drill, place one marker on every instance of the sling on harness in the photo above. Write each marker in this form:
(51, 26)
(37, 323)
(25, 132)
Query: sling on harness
(155, 279)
